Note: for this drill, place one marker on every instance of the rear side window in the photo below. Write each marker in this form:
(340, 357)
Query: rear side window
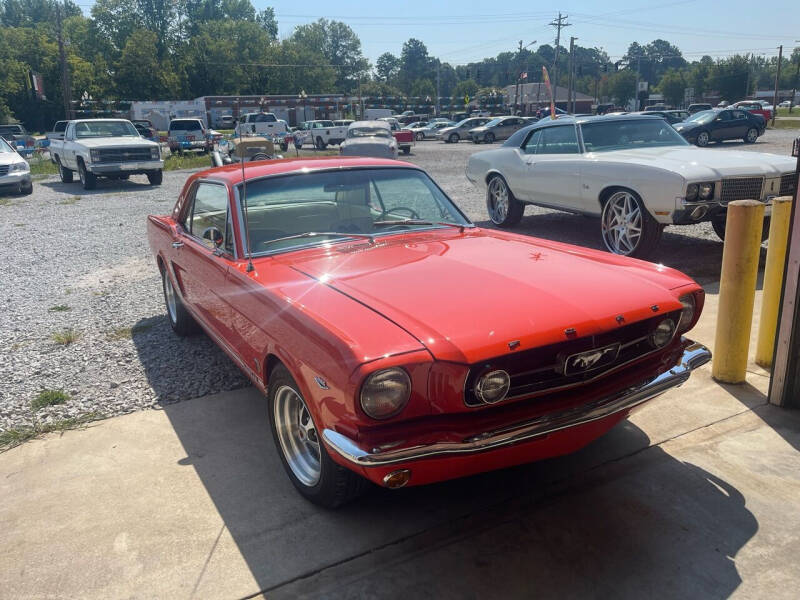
(185, 125)
(533, 141)
(558, 140)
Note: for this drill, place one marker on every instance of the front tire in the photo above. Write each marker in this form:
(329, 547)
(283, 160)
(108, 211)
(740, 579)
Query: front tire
(627, 228)
(454, 138)
(489, 138)
(702, 139)
(180, 320)
(406, 149)
(155, 177)
(320, 144)
(88, 180)
(504, 209)
(298, 440)
(751, 136)
(420, 136)
(719, 224)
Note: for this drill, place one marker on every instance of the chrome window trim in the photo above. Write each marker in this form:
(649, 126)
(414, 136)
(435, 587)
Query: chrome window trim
(189, 202)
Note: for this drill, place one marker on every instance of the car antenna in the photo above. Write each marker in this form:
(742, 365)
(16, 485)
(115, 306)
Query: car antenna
(247, 254)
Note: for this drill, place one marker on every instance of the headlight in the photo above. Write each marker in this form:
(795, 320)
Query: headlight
(20, 166)
(155, 153)
(94, 155)
(691, 191)
(705, 191)
(663, 333)
(493, 386)
(385, 393)
(687, 313)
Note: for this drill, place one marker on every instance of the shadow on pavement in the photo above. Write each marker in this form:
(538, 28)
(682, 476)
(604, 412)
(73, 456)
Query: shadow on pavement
(136, 183)
(587, 524)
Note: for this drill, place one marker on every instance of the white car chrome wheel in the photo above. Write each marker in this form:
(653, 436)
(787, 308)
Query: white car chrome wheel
(622, 223)
(297, 436)
(169, 296)
(498, 200)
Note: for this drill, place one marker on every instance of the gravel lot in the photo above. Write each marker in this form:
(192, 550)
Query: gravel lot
(78, 261)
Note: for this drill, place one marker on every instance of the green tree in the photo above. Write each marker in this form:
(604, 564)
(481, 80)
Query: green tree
(673, 85)
(387, 67)
(622, 86)
(414, 64)
(138, 69)
(730, 77)
(465, 88)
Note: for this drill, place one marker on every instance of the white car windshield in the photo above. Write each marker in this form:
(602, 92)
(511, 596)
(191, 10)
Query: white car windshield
(704, 118)
(4, 147)
(98, 129)
(357, 132)
(629, 134)
(330, 206)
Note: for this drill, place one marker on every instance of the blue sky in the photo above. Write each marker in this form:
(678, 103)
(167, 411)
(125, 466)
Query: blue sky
(467, 30)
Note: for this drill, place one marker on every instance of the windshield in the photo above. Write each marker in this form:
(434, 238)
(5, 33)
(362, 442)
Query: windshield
(627, 134)
(102, 129)
(356, 201)
(185, 125)
(704, 118)
(356, 132)
(4, 147)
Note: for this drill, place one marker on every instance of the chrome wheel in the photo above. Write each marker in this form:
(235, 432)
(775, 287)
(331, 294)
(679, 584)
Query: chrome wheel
(169, 296)
(498, 200)
(752, 136)
(622, 223)
(702, 139)
(297, 436)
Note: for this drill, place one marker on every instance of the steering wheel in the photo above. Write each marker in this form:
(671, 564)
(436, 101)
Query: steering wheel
(414, 214)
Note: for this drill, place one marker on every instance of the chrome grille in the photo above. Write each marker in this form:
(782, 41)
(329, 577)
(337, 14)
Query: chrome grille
(542, 370)
(787, 184)
(107, 155)
(3, 169)
(741, 188)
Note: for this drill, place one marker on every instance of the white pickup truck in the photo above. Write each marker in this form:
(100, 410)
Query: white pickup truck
(109, 148)
(263, 124)
(322, 133)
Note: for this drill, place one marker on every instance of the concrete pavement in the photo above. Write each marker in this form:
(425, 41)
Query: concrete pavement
(698, 494)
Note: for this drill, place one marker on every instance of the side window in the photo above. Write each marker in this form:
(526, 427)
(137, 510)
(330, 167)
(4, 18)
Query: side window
(558, 140)
(739, 115)
(533, 141)
(724, 116)
(208, 209)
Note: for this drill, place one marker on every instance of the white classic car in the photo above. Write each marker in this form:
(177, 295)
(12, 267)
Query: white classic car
(635, 172)
(369, 138)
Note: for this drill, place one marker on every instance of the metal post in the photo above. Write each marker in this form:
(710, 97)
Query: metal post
(777, 83)
(438, 69)
(66, 92)
(571, 64)
(636, 95)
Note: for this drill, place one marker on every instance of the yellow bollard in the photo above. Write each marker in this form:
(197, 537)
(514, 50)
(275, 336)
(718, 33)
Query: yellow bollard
(773, 279)
(737, 290)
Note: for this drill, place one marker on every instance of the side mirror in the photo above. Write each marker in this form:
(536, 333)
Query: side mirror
(214, 235)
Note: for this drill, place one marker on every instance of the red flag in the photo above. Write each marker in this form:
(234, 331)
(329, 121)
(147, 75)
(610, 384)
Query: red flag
(546, 77)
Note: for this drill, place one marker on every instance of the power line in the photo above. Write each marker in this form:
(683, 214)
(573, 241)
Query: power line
(559, 24)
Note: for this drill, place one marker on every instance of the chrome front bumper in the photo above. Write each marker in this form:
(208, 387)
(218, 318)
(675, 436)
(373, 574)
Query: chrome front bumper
(693, 357)
(122, 167)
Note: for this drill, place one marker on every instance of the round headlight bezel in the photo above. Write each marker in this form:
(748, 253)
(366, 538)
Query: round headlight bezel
(686, 319)
(691, 191)
(495, 394)
(667, 335)
(369, 391)
(708, 194)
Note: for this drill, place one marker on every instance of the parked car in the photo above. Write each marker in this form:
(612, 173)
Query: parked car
(338, 296)
(15, 173)
(695, 108)
(499, 128)
(261, 123)
(226, 122)
(369, 138)
(321, 133)
(188, 135)
(671, 116)
(430, 131)
(16, 135)
(635, 172)
(109, 148)
(754, 107)
(785, 104)
(543, 112)
(57, 133)
(146, 129)
(455, 133)
(722, 124)
(404, 138)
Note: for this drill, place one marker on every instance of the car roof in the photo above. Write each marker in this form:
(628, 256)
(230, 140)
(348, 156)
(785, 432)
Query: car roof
(571, 120)
(232, 174)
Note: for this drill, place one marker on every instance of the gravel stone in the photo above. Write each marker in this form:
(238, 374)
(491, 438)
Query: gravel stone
(92, 255)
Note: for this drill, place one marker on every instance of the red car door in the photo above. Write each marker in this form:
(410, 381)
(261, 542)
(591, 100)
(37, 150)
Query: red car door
(203, 251)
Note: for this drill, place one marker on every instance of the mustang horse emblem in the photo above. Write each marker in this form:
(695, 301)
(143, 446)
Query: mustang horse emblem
(585, 361)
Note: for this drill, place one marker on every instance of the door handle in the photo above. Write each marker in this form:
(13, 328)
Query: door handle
(177, 244)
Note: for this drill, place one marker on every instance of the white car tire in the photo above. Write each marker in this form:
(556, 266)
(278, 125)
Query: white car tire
(626, 226)
(504, 209)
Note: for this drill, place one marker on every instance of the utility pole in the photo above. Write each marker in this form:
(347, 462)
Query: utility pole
(559, 24)
(65, 90)
(519, 73)
(777, 82)
(438, 109)
(794, 90)
(636, 91)
(571, 78)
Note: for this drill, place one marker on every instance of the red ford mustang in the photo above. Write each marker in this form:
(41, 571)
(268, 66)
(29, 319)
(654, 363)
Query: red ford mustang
(400, 344)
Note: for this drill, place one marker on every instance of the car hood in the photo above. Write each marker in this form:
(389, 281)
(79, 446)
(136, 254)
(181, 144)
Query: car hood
(465, 297)
(115, 141)
(10, 158)
(691, 162)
